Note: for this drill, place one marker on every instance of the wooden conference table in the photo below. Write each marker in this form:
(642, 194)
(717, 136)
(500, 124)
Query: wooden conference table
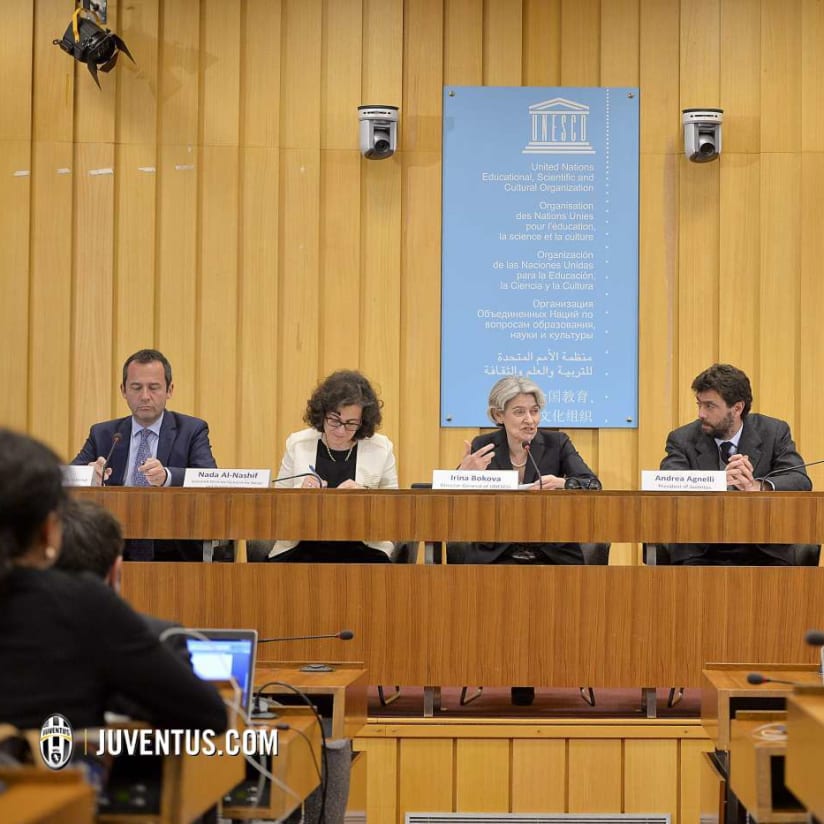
(494, 625)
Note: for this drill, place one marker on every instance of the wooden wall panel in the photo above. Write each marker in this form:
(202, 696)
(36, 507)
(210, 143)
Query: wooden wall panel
(482, 775)
(503, 40)
(542, 42)
(812, 68)
(264, 270)
(92, 261)
(426, 774)
(539, 776)
(808, 430)
(381, 779)
(580, 35)
(595, 776)
(258, 356)
(689, 807)
(650, 775)
(778, 382)
(16, 65)
(740, 24)
(780, 76)
(739, 340)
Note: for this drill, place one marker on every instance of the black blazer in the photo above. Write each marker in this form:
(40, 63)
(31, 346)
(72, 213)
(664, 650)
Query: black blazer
(554, 454)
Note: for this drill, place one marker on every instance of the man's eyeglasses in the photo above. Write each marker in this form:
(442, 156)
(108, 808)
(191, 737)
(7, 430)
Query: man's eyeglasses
(337, 423)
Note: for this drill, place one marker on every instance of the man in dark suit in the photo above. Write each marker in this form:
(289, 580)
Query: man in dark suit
(756, 451)
(153, 446)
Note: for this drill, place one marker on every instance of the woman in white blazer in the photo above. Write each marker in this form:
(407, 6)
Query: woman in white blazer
(340, 450)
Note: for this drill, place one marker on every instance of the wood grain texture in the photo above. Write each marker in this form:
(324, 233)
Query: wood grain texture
(421, 625)
(266, 269)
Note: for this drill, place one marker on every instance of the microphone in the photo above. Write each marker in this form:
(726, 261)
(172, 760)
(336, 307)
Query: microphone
(116, 438)
(344, 635)
(789, 469)
(815, 638)
(527, 445)
(311, 474)
(758, 678)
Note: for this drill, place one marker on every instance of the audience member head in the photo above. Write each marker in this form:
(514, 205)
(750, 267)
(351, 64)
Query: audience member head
(506, 389)
(92, 542)
(31, 500)
(729, 382)
(344, 402)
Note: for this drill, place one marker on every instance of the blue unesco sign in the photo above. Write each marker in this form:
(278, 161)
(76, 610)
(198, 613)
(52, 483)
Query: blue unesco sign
(540, 251)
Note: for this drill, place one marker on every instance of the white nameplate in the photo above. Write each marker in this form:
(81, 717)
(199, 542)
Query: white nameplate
(234, 478)
(474, 479)
(78, 475)
(683, 480)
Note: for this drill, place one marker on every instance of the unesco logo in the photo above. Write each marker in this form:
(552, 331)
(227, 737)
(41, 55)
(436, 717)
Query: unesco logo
(56, 741)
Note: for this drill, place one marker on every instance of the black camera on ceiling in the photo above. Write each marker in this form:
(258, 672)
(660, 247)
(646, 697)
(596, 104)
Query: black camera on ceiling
(87, 41)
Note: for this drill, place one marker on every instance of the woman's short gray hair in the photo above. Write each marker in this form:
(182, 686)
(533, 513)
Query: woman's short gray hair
(510, 387)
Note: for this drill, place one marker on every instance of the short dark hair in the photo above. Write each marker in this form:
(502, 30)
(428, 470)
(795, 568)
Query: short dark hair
(345, 388)
(31, 488)
(729, 382)
(149, 356)
(92, 539)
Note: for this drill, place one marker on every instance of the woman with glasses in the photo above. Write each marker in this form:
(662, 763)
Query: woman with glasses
(339, 450)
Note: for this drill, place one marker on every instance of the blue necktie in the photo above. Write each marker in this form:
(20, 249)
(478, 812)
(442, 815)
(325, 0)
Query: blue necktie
(143, 455)
(726, 448)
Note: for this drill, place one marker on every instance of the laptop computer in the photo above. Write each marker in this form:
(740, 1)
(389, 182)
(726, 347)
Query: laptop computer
(223, 653)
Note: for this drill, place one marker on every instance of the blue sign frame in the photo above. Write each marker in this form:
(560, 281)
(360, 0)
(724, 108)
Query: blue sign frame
(540, 251)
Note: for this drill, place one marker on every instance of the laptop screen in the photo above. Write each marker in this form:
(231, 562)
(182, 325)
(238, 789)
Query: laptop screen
(224, 653)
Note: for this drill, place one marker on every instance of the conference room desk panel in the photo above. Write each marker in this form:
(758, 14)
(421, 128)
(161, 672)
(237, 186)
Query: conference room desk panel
(546, 626)
(430, 515)
(493, 625)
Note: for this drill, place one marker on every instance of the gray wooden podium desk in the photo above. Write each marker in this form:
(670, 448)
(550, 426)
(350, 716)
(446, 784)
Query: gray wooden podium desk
(299, 751)
(758, 752)
(726, 692)
(805, 747)
(346, 686)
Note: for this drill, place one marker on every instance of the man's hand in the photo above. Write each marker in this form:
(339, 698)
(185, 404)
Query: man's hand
(479, 459)
(311, 482)
(98, 471)
(739, 474)
(154, 471)
(349, 484)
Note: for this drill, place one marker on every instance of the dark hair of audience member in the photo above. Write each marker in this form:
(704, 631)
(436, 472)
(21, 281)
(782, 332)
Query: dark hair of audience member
(346, 387)
(31, 488)
(92, 539)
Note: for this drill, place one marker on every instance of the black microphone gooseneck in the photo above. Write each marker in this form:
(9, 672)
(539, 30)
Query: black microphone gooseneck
(815, 638)
(789, 469)
(528, 449)
(116, 438)
(344, 635)
(758, 678)
(300, 475)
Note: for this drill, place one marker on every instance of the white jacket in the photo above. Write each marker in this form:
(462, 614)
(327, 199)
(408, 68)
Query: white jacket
(375, 469)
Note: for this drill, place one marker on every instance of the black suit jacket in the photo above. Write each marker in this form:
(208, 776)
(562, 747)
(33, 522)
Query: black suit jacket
(768, 444)
(554, 454)
(183, 443)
